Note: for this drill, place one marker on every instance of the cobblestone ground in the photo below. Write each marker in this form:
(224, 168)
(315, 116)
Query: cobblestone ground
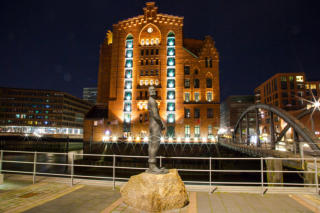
(19, 200)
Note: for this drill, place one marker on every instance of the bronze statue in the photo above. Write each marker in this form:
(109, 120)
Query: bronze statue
(156, 125)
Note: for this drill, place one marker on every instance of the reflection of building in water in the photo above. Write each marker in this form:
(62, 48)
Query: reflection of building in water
(146, 50)
(41, 112)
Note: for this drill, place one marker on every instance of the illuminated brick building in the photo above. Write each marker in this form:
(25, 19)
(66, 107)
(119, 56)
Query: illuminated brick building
(146, 50)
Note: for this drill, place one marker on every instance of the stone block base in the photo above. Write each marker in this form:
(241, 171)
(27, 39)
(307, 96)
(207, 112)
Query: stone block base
(155, 192)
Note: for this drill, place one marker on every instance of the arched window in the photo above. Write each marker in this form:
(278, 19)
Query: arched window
(209, 82)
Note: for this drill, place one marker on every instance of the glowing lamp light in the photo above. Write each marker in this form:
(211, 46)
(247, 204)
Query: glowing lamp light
(204, 139)
(138, 138)
(129, 138)
(128, 97)
(195, 139)
(128, 108)
(171, 43)
(128, 75)
(128, 86)
(171, 74)
(179, 139)
(171, 96)
(316, 104)
(171, 63)
(171, 53)
(170, 120)
(162, 139)
(114, 138)
(129, 45)
(187, 139)
(171, 85)
(107, 132)
(170, 139)
(105, 138)
(146, 139)
(171, 108)
(129, 55)
(129, 65)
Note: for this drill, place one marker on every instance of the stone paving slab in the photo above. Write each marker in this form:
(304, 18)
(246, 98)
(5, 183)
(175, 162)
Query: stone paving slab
(247, 203)
(88, 199)
(21, 199)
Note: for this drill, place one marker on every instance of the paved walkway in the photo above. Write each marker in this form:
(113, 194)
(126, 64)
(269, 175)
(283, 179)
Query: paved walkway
(61, 197)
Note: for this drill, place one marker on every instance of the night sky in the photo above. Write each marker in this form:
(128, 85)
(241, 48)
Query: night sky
(55, 44)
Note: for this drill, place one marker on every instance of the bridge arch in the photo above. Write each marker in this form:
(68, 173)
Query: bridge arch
(291, 121)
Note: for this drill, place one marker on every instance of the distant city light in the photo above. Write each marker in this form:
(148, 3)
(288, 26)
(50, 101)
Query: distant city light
(204, 139)
(162, 139)
(187, 139)
(170, 139)
(146, 139)
(178, 139)
(129, 138)
(114, 138)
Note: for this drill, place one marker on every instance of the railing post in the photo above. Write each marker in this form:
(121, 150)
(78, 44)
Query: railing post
(316, 175)
(72, 168)
(114, 172)
(160, 161)
(262, 181)
(34, 167)
(210, 174)
(1, 158)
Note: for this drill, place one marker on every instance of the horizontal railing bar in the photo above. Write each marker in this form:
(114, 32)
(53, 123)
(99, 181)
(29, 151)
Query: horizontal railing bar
(100, 177)
(53, 174)
(12, 171)
(14, 161)
(94, 166)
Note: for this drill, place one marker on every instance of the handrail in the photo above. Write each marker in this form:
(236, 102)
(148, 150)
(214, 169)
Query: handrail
(210, 171)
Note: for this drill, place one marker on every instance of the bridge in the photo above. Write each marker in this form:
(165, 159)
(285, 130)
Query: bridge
(291, 139)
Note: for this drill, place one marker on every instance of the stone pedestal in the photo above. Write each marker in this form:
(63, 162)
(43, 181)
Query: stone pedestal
(1, 178)
(152, 192)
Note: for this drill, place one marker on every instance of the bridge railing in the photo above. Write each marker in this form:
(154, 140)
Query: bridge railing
(310, 164)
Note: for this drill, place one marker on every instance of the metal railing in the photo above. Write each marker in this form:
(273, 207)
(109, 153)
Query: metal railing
(210, 183)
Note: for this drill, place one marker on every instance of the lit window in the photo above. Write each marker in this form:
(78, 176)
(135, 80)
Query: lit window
(299, 78)
(141, 82)
(196, 96)
(152, 41)
(170, 118)
(170, 106)
(95, 123)
(170, 95)
(151, 82)
(171, 84)
(186, 83)
(157, 82)
(209, 131)
(187, 131)
(187, 113)
(209, 113)
(196, 131)
(146, 82)
(186, 96)
(209, 96)
(170, 73)
(313, 86)
(147, 41)
(142, 41)
(157, 41)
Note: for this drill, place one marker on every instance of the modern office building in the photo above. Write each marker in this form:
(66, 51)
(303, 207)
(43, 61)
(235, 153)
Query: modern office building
(291, 92)
(284, 90)
(90, 94)
(147, 50)
(41, 112)
(231, 109)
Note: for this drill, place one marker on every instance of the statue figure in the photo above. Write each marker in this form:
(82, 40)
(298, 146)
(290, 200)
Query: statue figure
(156, 125)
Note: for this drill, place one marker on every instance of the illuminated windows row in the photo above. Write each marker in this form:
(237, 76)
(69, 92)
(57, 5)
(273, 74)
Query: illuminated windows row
(149, 62)
(197, 98)
(152, 41)
(187, 131)
(187, 113)
(147, 82)
(196, 83)
(149, 72)
(147, 51)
